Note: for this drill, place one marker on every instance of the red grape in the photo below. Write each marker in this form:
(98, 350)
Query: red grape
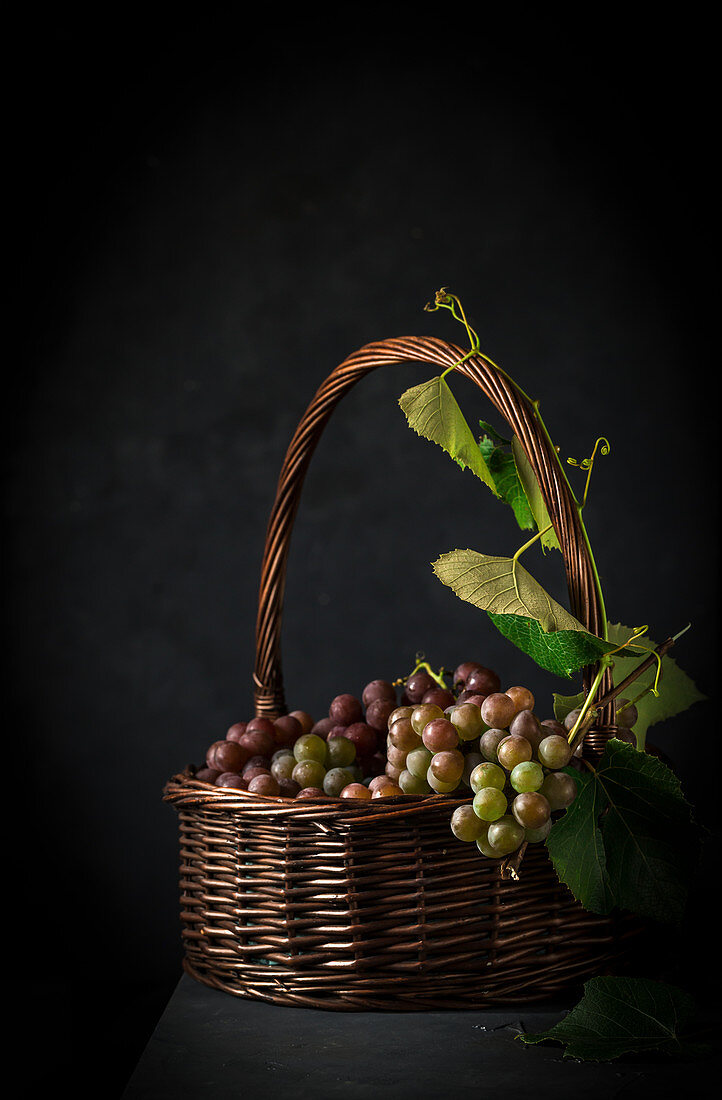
(345, 710)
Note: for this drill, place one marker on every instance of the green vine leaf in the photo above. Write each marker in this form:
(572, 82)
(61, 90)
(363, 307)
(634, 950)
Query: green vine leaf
(530, 485)
(521, 610)
(619, 1015)
(628, 839)
(677, 691)
(503, 470)
(565, 704)
(432, 411)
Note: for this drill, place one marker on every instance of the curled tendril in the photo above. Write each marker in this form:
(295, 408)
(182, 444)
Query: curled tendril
(633, 642)
(604, 447)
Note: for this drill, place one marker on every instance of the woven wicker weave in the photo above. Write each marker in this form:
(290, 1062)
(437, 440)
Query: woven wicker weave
(374, 904)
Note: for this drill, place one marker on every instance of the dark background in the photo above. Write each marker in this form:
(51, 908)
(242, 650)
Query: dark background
(209, 219)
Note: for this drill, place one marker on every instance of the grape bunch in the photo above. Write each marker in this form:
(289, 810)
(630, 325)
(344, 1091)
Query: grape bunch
(294, 757)
(518, 783)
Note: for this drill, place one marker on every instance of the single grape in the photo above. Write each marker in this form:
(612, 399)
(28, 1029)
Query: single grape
(264, 785)
(531, 809)
(282, 767)
(403, 736)
(527, 776)
(378, 689)
(309, 773)
(505, 835)
(418, 761)
(440, 735)
(284, 751)
(483, 845)
(259, 740)
(554, 751)
(231, 779)
(418, 684)
(487, 775)
(422, 715)
(550, 725)
(393, 772)
(625, 714)
(448, 766)
(466, 825)
(356, 790)
(522, 697)
(250, 771)
(468, 721)
(364, 738)
(311, 792)
(305, 720)
(489, 803)
(483, 681)
(227, 756)
(497, 710)
(378, 713)
(489, 743)
(340, 753)
(438, 785)
(323, 727)
(379, 781)
(439, 697)
(572, 717)
(310, 746)
(395, 756)
(526, 724)
(559, 789)
(335, 780)
(413, 784)
(392, 791)
(287, 729)
(400, 712)
(512, 751)
(535, 836)
(345, 709)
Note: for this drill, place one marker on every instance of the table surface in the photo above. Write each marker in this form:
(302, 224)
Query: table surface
(208, 1043)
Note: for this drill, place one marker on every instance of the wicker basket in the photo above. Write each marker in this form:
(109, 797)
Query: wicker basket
(345, 904)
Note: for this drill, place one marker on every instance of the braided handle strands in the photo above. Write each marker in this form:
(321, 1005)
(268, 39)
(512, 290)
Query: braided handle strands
(522, 419)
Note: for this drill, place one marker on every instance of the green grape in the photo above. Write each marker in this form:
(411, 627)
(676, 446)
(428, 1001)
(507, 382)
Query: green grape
(527, 776)
(310, 746)
(512, 751)
(490, 803)
(465, 825)
(489, 743)
(340, 752)
(437, 785)
(531, 809)
(413, 784)
(536, 836)
(418, 761)
(554, 751)
(487, 775)
(400, 712)
(423, 714)
(447, 766)
(559, 789)
(309, 773)
(335, 780)
(468, 721)
(482, 843)
(505, 835)
(282, 767)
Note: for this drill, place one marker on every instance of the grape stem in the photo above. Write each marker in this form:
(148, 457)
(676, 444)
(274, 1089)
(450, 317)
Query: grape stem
(510, 867)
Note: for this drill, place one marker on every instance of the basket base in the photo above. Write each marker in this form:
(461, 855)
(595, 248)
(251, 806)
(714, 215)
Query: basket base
(423, 992)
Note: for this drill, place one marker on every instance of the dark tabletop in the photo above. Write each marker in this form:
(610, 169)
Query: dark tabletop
(209, 1043)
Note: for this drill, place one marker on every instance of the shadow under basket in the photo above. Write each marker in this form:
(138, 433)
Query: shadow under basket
(353, 904)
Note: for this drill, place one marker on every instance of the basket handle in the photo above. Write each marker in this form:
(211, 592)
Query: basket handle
(522, 419)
